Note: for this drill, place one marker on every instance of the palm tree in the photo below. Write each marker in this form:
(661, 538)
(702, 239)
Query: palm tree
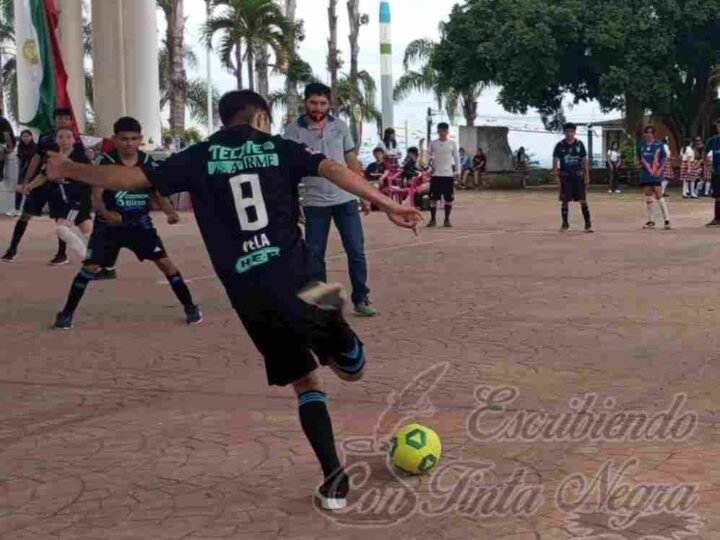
(356, 21)
(291, 80)
(333, 60)
(8, 66)
(353, 101)
(174, 37)
(427, 79)
(260, 24)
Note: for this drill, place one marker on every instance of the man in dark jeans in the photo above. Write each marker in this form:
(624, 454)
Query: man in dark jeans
(325, 202)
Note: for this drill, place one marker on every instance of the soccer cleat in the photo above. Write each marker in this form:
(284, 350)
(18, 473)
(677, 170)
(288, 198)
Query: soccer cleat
(431, 223)
(447, 223)
(106, 274)
(59, 260)
(193, 315)
(564, 227)
(63, 321)
(618, 191)
(364, 309)
(668, 227)
(325, 296)
(714, 223)
(334, 491)
(9, 256)
(649, 225)
(588, 229)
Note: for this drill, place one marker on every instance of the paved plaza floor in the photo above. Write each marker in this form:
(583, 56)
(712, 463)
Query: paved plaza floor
(572, 377)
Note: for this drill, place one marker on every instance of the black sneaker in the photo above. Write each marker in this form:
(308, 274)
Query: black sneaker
(59, 260)
(649, 225)
(193, 315)
(588, 229)
(334, 491)
(63, 321)
(668, 227)
(106, 274)
(431, 223)
(714, 223)
(447, 223)
(9, 256)
(565, 227)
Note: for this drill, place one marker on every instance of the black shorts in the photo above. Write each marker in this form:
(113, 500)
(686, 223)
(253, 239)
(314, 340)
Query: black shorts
(442, 187)
(715, 183)
(107, 241)
(572, 188)
(75, 211)
(292, 336)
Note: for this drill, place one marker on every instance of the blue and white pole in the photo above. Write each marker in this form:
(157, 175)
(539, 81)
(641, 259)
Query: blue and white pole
(386, 77)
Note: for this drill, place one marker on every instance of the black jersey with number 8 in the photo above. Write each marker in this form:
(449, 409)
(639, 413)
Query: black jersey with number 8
(244, 189)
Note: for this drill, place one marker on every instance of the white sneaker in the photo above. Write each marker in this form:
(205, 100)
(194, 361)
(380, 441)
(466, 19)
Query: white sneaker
(11, 213)
(618, 191)
(610, 190)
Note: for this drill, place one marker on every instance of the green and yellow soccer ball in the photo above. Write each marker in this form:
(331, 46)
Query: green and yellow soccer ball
(415, 449)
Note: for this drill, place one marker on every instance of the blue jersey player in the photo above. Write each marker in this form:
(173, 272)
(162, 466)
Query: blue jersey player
(244, 185)
(652, 156)
(713, 145)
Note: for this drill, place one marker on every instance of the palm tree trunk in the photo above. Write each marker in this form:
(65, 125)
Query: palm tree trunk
(291, 88)
(354, 18)
(176, 29)
(250, 64)
(469, 107)
(238, 65)
(261, 70)
(333, 50)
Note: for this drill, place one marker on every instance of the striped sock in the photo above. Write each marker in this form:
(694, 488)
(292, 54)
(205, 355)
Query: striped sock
(316, 423)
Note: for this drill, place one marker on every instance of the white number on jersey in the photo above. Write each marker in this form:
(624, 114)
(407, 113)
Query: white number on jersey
(244, 204)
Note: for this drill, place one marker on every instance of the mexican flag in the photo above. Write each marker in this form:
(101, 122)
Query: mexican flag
(42, 80)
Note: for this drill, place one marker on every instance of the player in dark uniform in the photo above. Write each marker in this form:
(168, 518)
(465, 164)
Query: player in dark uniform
(652, 158)
(70, 197)
(572, 172)
(713, 145)
(244, 185)
(123, 221)
(35, 203)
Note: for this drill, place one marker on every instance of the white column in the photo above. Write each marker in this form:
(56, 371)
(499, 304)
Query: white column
(71, 45)
(108, 65)
(142, 74)
(125, 60)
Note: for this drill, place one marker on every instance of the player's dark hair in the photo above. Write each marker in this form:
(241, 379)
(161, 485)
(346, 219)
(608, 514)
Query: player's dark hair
(317, 89)
(649, 129)
(443, 125)
(127, 124)
(62, 111)
(241, 106)
(378, 149)
(413, 150)
(569, 125)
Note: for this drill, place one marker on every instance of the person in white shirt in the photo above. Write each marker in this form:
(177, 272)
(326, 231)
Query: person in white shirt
(687, 170)
(614, 161)
(668, 173)
(445, 164)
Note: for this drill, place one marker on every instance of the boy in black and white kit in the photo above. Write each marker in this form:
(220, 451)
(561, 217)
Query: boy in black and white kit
(445, 165)
(244, 185)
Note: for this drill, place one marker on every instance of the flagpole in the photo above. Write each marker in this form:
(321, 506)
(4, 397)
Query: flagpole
(209, 78)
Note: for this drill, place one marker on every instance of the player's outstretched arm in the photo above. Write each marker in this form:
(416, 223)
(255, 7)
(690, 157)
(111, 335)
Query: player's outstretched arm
(114, 177)
(403, 216)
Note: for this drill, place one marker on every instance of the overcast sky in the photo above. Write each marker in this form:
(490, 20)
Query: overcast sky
(412, 19)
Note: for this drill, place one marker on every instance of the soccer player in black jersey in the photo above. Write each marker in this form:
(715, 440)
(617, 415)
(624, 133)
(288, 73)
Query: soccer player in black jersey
(123, 221)
(572, 171)
(244, 185)
(70, 197)
(36, 201)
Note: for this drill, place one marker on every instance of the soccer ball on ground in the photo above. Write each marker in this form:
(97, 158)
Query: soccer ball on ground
(415, 449)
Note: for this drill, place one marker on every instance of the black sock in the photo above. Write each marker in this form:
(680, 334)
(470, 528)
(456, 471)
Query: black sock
(717, 210)
(181, 290)
(586, 214)
(564, 211)
(18, 232)
(315, 422)
(62, 248)
(77, 290)
(448, 209)
(433, 211)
